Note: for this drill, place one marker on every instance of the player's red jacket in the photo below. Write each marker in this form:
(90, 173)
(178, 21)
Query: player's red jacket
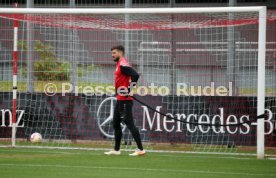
(122, 79)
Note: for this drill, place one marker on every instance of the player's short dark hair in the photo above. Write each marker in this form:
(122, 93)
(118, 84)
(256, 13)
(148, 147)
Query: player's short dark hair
(119, 48)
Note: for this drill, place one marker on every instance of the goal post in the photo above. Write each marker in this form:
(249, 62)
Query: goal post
(261, 81)
(74, 44)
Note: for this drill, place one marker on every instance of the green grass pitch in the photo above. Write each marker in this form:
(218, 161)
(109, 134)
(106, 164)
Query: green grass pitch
(46, 163)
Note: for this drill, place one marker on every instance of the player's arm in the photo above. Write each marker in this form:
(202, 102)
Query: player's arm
(132, 73)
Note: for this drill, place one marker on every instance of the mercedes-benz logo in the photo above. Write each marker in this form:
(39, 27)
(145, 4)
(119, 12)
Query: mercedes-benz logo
(105, 117)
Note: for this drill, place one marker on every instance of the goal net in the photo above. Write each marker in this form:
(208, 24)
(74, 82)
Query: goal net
(203, 67)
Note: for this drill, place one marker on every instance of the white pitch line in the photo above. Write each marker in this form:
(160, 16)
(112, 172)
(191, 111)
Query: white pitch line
(101, 154)
(38, 151)
(182, 155)
(217, 157)
(137, 169)
(272, 158)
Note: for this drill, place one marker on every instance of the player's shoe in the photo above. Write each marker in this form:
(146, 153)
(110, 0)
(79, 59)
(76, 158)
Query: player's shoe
(138, 153)
(112, 152)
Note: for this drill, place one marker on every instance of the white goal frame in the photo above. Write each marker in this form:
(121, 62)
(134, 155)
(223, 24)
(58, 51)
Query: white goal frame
(262, 10)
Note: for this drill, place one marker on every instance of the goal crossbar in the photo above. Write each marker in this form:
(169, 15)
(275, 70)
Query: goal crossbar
(131, 10)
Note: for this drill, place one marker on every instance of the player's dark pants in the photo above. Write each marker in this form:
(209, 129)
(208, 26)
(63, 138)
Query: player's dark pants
(123, 113)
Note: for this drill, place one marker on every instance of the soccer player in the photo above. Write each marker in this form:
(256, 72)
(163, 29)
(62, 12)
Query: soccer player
(125, 79)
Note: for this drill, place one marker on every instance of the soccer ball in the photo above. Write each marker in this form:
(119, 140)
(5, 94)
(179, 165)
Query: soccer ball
(36, 138)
